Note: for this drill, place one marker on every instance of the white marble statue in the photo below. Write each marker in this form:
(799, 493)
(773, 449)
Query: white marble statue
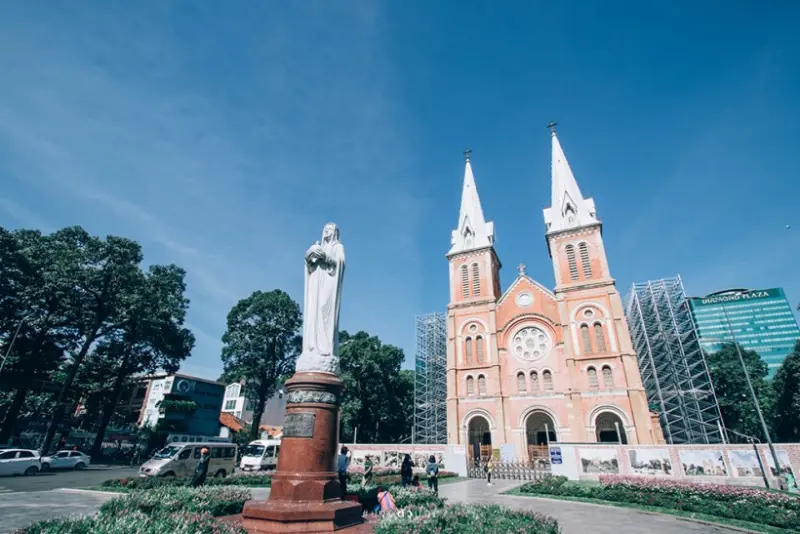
(323, 294)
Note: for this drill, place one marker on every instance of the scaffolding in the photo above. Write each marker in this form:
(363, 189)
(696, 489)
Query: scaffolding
(673, 366)
(430, 384)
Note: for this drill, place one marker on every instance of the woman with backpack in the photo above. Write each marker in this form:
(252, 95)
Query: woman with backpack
(433, 474)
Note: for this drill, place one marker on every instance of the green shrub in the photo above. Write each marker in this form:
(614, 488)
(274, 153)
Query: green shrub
(148, 483)
(136, 523)
(163, 501)
(468, 519)
(403, 497)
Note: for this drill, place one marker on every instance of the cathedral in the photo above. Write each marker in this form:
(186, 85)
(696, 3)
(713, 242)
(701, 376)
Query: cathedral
(530, 366)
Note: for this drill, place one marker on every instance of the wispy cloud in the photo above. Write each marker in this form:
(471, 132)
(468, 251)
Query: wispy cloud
(223, 150)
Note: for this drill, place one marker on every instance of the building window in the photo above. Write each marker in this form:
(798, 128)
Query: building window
(585, 263)
(521, 385)
(479, 348)
(230, 405)
(476, 280)
(534, 381)
(464, 281)
(468, 344)
(481, 385)
(547, 378)
(608, 377)
(573, 265)
(592, 372)
(470, 385)
(586, 339)
(599, 338)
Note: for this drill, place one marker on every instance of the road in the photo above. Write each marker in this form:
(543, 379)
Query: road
(93, 476)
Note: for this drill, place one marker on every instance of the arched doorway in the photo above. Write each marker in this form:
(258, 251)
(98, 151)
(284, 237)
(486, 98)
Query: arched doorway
(609, 428)
(540, 429)
(479, 436)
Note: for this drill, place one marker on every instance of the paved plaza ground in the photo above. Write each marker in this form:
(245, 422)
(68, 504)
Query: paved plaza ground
(89, 478)
(21, 509)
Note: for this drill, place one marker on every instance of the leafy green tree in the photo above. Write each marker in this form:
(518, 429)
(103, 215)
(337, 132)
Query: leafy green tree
(149, 336)
(735, 401)
(378, 397)
(103, 274)
(786, 385)
(261, 345)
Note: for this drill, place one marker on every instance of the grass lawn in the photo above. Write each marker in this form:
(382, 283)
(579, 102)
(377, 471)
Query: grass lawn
(655, 509)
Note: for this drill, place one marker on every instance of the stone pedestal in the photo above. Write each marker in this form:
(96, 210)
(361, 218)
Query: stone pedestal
(305, 494)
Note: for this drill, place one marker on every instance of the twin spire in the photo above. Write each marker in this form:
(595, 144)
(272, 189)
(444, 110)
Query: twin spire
(568, 208)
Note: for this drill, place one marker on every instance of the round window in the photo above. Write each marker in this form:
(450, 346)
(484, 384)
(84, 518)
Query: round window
(531, 344)
(588, 313)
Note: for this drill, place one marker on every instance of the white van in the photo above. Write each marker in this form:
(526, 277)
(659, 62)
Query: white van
(180, 460)
(261, 455)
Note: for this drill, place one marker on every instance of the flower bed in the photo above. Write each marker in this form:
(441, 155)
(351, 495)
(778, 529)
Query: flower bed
(148, 483)
(732, 502)
(160, 511)
(403, 497)
(468, 519)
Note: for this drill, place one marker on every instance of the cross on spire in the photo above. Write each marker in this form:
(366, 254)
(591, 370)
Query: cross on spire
(467, 152)
(521, 269)
(552, 127)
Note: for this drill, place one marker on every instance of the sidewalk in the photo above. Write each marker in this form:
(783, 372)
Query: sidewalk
(575, 517)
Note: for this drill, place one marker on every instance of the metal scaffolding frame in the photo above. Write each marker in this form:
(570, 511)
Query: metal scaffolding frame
(673, 366)
(430, 384)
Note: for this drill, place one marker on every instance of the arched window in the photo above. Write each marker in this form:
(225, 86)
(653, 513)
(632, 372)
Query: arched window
(468, 350)
(599, 338)
(534, 381)
(476, 280)
(608, 377)
(583, 248)
(479, 348)
(547, 378)
(464, 281)
(521, 385)
(586, 339)
(470, 385)
(481, 385)
(573, 265)
(592, 372)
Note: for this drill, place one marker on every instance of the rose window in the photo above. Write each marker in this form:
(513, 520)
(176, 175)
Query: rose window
(531, 344)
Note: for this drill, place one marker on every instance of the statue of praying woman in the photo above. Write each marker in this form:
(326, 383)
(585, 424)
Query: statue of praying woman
(323, 294)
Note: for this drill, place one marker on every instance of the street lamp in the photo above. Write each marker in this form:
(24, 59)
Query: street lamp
(749, 386)
(13, 339)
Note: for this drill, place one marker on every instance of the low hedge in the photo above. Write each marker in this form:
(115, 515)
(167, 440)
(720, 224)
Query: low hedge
(149, 483)
(468, 519)
(730, 502)
(160, 511)
(388, 476)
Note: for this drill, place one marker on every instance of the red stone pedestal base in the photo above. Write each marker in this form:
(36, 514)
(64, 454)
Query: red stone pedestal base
(305, 494)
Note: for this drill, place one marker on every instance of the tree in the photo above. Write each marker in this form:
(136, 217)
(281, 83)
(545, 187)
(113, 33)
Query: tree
(103, 274)
(786, 386)
(735, 401)
(378, 397)
(260, 346)
(149, 335)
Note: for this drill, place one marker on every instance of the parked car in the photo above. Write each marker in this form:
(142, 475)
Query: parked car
(19, 462)
(180, 460)
(66, 460)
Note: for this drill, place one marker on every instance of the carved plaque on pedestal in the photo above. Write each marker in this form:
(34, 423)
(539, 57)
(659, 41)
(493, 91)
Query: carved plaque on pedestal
(299, 425)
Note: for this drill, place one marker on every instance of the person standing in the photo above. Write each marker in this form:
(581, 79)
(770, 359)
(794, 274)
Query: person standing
(406, 470)
(201, 470)
(369, 470)
(342, 465)
(433, 474)
(489, 467)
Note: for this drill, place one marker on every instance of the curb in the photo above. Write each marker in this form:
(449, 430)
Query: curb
(95, 492)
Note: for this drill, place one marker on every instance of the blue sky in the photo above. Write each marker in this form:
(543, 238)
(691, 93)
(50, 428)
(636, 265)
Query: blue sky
(223, 136)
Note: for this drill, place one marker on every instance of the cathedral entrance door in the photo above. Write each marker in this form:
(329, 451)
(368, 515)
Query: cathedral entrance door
(609, 428)
(480, 438)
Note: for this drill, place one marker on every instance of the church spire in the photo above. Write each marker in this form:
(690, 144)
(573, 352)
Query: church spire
(568, 208)
(473, 230)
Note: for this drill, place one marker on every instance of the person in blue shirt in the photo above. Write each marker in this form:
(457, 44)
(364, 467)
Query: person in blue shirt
(342, 465)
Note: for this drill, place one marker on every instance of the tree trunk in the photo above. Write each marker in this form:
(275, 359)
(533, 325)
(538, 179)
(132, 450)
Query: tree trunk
(258, 412)
(108, 412)
(58, 413)
(13, 413)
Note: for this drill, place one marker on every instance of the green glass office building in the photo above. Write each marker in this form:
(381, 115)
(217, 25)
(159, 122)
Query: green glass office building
(760, 319)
